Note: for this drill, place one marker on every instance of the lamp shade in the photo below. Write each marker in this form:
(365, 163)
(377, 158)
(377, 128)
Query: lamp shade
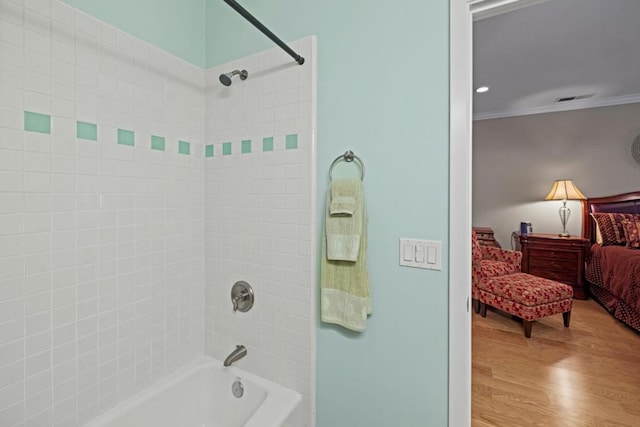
(564, 189)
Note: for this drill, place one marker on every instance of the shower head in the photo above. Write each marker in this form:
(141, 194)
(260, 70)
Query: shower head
(225, 79)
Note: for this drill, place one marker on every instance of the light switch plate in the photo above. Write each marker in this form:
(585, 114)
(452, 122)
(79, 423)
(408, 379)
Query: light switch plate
(418, 253)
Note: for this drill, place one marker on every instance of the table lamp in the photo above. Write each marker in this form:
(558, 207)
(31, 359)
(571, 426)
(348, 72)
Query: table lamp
(564, 189)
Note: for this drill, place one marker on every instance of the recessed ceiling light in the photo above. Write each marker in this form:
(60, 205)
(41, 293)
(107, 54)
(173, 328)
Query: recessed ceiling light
(482, 89)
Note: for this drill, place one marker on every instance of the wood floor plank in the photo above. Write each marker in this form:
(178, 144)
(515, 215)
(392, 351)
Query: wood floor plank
(584, 375)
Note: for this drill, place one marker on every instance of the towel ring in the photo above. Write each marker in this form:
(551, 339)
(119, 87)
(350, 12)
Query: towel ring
(348, 156)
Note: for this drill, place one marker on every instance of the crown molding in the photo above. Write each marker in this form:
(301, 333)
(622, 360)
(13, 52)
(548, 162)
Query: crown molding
(482, 9)
(562, 106)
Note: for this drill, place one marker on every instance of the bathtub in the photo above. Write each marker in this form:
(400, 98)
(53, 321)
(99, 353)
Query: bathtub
(200, 395)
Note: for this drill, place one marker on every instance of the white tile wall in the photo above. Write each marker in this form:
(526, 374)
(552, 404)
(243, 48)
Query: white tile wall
(101, 245)
(261, 219)
(102, 264)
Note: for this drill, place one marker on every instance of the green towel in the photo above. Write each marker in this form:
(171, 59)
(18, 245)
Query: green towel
(345, 294)
(344, 221)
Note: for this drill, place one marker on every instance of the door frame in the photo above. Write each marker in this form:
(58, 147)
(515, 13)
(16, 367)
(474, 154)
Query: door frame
(462, 13)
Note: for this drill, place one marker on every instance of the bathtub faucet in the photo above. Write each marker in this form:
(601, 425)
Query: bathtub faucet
(237, 354)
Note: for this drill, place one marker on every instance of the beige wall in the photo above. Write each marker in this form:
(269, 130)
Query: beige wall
(516, 160)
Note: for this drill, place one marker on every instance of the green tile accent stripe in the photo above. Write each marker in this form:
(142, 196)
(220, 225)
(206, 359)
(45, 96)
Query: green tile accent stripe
(34, 122)
(157, 143)
(292, 141)
(87, 131)
(126, 137)
(267, 144)
(184, 147)
(246, 146)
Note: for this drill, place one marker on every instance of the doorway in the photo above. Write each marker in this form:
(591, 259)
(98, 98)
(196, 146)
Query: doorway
(461, 17)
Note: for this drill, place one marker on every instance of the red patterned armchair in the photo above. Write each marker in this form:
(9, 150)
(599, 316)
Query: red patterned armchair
(490, 262)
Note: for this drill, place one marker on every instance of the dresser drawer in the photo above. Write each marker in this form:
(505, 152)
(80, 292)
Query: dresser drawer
(568, 277)
(554, 254)
(556, 258)
(552, 264)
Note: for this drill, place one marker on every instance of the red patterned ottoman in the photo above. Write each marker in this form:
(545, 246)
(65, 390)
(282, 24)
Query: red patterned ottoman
(527, 297)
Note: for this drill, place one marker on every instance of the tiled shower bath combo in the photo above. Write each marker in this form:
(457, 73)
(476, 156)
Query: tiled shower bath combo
(135, 190)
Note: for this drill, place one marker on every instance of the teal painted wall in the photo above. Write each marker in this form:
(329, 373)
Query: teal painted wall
(175, 26)
(383, 92)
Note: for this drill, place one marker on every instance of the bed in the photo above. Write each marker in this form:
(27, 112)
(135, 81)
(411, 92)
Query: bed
(612, 269)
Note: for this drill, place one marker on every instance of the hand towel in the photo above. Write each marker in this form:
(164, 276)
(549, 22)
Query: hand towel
(345, 294)
(344, 221)
(342, 206)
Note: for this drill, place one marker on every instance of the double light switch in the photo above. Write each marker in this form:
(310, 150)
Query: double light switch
(421, 253)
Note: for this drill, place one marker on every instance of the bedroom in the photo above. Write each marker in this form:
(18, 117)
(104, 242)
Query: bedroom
(588, 140)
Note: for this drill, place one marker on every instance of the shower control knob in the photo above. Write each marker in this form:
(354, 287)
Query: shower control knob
(242, 296)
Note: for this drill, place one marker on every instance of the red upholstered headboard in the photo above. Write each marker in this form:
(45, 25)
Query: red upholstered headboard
(623, 203)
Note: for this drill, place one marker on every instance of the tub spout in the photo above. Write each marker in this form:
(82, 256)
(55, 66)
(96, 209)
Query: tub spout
(237, 354)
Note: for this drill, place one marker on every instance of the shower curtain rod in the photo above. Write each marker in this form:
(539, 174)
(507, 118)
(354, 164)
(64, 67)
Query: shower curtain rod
(249, 17)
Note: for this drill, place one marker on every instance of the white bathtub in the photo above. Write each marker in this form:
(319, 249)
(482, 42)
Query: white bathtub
(199, 395)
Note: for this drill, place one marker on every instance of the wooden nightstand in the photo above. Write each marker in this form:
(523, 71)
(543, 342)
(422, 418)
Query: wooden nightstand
(556, 258)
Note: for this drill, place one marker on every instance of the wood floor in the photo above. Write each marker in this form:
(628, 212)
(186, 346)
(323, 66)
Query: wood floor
(584, 375)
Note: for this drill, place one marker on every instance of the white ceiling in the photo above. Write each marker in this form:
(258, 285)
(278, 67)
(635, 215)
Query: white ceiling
(532, 56)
